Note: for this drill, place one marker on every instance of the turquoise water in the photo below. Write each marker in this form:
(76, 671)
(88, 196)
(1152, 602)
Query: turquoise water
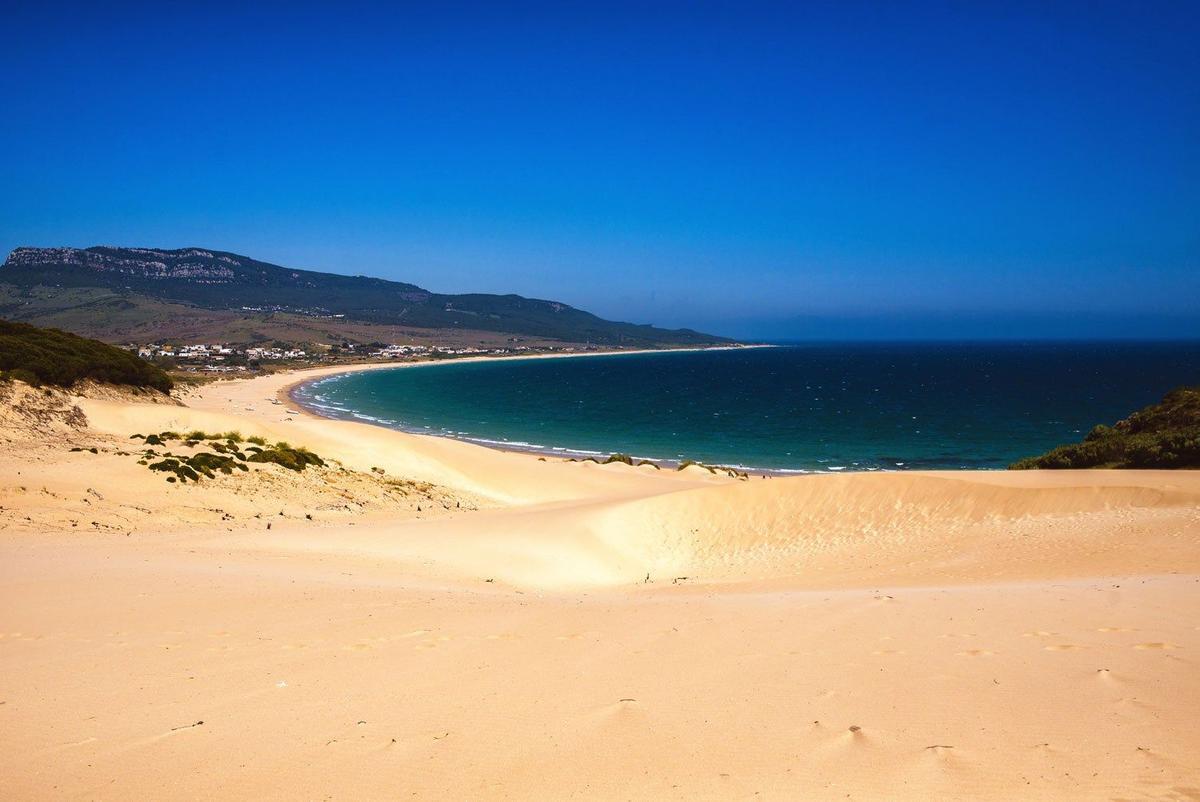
(803, 408)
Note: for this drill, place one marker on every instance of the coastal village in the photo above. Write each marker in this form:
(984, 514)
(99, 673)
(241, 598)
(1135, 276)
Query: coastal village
(233, 358)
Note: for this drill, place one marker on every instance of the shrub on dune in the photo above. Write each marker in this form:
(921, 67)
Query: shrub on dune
(1162, 435)
(294, 459)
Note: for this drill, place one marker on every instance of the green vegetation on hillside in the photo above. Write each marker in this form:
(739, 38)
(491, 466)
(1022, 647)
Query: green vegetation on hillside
(114, 282)
(1163, 435)
(50, 356)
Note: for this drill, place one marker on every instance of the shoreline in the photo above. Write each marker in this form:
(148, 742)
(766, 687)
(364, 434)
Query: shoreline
(287, 395)
(329, 372)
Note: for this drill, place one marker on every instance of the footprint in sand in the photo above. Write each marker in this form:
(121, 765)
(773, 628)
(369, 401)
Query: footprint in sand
(976, 653)
(1116, 629)
(1039, 634)
(1062, 647)
(1156, 645)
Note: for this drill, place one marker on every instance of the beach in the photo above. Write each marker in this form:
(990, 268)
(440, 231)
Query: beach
(427, 618)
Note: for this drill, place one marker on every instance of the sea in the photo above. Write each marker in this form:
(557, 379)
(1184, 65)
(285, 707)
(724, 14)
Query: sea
(802, 407)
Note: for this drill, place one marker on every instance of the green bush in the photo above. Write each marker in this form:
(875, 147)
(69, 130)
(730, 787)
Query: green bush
(49, 356)
(225, 456)
(294, 459)
(27, 376)
(207, 464)
(1163, 435)
(174, 466)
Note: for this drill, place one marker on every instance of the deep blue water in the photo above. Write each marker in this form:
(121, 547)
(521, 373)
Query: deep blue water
(805, 407)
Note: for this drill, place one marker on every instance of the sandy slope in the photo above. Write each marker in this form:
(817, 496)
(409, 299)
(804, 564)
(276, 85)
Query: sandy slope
(900, 636)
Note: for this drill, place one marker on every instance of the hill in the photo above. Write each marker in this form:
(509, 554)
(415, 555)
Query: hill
(131, 280)
(1162, 435)
(50, 356)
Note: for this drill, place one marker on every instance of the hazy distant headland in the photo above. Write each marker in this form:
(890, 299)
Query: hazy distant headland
(145, 294)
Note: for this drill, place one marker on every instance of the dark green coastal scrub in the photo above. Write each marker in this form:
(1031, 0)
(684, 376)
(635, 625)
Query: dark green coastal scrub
(225, 455)
(49, 356)
(1162, 435)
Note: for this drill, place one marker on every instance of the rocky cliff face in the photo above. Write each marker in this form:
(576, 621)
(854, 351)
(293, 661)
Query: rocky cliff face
(190, 263)
(131, 267)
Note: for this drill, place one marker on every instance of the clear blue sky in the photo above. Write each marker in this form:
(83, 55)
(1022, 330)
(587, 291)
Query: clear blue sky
(796, 169)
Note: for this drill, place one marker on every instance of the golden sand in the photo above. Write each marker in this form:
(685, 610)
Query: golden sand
(431, 619)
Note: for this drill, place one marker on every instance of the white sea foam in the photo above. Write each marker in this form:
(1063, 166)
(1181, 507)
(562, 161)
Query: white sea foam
(509, 443)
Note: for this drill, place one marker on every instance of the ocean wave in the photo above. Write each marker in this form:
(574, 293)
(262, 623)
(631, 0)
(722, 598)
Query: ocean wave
(513, 443)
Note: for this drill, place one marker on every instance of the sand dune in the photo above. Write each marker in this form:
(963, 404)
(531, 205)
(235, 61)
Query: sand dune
(916, 527)
(834, 531)
(525, 629)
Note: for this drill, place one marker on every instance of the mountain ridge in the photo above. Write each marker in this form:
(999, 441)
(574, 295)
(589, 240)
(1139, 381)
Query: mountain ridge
(223, 280)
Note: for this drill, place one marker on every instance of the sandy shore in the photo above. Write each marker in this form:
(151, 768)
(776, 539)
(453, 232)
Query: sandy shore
(308, 374)
(426, 618)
